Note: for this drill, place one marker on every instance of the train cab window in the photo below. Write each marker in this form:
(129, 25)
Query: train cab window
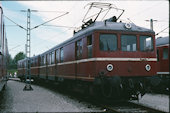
(61, 55)
(128, 43)
(108, 42)
(165, 53)
(146, 43)
(89, 46)
(79, 48)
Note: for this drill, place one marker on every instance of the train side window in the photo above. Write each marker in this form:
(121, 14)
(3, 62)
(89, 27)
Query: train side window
(89, 46)
(52, 58)
(61, 55)
(25, 64)
(165, 53)
(157, 55)
(146, 43)
(49, 57)
(32, 62)
(36, 61)
(108, 42)
(79, 48)
(57, 55)
(128, 43)
(42, 60)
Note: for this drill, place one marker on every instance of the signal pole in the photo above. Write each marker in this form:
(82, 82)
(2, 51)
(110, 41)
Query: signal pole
(151, 23)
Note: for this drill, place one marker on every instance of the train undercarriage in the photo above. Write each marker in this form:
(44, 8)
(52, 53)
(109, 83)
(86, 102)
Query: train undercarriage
(122, 88)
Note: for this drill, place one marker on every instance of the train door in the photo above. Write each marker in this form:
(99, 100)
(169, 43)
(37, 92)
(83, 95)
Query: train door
(158, 59)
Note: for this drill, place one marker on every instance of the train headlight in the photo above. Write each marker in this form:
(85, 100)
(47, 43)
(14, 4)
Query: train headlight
(109, 67)
(128, 26)
(148, 67)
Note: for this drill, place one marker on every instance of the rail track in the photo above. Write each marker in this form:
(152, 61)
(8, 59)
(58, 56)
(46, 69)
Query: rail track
(106, 106)
(128, 107)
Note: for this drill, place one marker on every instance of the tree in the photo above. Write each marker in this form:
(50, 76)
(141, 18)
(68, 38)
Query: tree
(19, 56)
(13, 62)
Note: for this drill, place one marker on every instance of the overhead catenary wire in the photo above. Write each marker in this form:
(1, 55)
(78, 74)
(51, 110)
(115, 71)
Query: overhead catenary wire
(37, 25)
(14, 47)
(49, 20)
(161, 31)
(60, 26)
(142, 11)
(64, 30)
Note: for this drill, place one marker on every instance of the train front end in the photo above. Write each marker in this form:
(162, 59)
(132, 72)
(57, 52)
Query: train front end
(125, 60)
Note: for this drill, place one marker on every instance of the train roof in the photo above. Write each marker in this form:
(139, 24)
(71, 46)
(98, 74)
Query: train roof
(162, 41)
(102, 25)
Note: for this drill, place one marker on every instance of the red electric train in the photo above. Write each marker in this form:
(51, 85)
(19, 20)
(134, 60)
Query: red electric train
(111, 58)
(3, 51)
(163, 62)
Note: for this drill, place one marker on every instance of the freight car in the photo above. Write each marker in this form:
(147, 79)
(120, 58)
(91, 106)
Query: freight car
(163, 62)
(3, 51)
(111, 58)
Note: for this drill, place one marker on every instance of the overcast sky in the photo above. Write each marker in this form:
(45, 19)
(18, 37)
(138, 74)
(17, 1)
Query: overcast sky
(46, 37)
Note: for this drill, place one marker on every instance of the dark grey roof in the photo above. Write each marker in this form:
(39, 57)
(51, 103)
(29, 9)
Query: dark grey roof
(112, 26)
(162, 41)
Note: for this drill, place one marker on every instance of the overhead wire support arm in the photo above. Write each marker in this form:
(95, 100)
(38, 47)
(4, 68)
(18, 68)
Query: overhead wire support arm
(15, 23)
(49, 21)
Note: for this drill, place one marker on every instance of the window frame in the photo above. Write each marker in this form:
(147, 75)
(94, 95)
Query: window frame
(57, 55)
(79, 49)
(52, 57)
(89, 46)
(61, 54)
(163, 55)
(157, 54)
(114, 44)
(152, 40)
(126, 44)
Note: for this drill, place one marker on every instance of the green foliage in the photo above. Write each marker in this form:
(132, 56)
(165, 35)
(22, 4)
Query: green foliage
(19, 56)
(12, 71)
(13, 62)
